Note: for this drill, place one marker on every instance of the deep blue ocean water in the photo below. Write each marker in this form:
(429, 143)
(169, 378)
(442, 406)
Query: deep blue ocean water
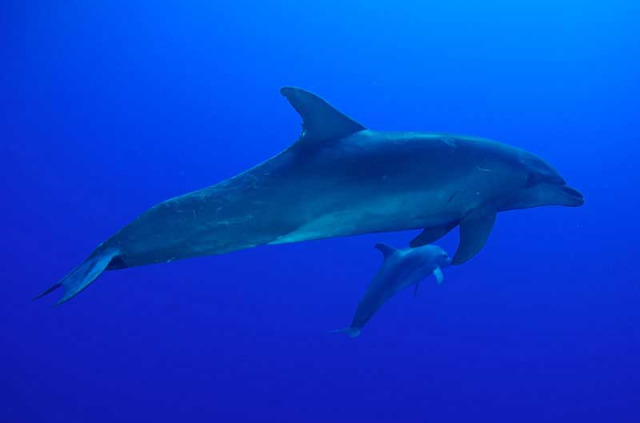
(109, 107)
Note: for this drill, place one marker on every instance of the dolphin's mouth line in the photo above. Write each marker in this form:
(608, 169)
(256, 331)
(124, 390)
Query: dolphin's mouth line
(574, 195)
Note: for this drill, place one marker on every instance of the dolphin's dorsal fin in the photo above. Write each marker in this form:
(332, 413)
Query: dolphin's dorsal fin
(474, 232)
(320, 120)
(386, 250)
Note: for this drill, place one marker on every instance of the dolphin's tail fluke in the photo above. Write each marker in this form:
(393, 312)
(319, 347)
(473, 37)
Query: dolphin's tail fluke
(82, 276)
(351, 332)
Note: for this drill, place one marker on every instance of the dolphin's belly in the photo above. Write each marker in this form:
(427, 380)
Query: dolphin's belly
(383, 213)
(192, 226)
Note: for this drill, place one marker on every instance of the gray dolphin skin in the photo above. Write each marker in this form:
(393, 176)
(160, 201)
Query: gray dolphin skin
(400, 269)
(338, 179)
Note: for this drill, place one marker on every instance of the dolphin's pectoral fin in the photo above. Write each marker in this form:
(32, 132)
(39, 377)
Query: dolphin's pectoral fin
(474, 232)
(320, 120)
(386, 250)
(438, 274)
(415, 289)
(429, 235)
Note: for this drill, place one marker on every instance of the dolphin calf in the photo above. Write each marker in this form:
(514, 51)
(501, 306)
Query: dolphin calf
(400, 269)
(338, 179)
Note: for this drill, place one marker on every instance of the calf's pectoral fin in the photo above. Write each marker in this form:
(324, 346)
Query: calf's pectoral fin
(474, 232)
(429, 235)
(438, 274)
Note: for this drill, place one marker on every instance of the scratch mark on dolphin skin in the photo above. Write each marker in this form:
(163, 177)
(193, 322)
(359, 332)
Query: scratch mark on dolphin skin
(482, 169)
(452, 196)
(449, 141)
(253, 183)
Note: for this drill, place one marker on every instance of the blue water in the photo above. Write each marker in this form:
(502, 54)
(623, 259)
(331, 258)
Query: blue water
(110, 107)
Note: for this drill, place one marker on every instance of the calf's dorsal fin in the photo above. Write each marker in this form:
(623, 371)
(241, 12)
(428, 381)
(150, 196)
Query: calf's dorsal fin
(320, 120)
(385, 249)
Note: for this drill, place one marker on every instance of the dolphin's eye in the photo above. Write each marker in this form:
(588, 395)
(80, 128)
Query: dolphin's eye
(532, 179)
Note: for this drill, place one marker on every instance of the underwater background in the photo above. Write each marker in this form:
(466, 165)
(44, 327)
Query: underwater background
(108, 107)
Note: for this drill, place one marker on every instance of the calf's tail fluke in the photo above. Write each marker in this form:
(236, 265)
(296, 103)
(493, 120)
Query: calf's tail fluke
(82, 275)
(351, 332)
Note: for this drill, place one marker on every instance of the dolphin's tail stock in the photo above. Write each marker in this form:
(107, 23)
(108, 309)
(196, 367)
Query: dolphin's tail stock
(82, 275)
(351, 332)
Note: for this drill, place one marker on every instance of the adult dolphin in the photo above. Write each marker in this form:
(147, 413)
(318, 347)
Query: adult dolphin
(338, 179)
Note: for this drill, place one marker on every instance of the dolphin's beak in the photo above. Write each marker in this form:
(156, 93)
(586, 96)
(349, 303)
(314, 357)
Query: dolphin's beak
(571, 197)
